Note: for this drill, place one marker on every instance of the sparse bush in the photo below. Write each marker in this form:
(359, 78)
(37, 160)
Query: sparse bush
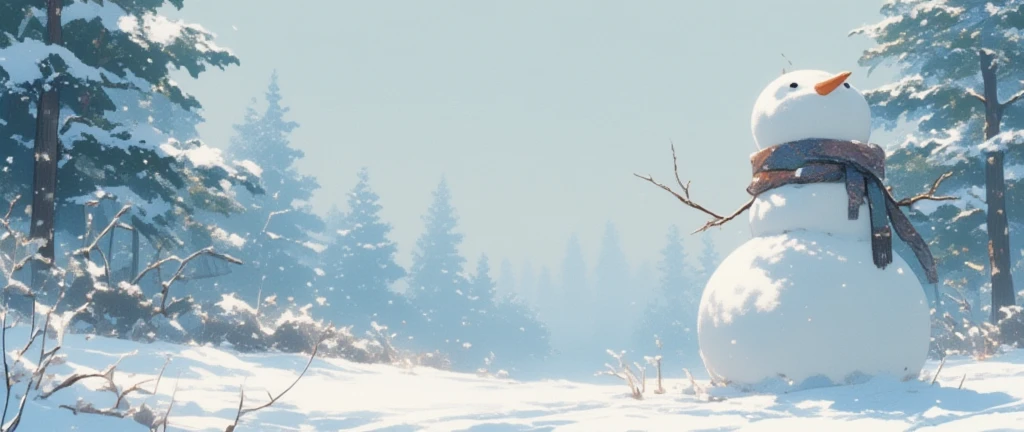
(955, 333)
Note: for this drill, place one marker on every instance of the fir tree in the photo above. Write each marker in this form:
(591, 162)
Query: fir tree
(437, 281)
(506, 279)
(709, 260)
(275, 231)
(362, 267)
(673, 315)
(956, 57)
(506, 328)
(570, 327)
(612, 293)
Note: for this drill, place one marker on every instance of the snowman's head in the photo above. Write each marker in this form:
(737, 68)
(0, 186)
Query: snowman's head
(810, 104)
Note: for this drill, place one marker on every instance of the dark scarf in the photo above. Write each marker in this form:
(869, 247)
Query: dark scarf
(862, 168)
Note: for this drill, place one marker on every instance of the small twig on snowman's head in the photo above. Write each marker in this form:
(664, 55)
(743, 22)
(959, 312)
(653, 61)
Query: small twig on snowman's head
(930, 194)
(684, 197)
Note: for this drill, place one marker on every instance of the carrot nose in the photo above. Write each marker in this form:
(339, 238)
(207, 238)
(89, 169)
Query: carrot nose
(825, 87)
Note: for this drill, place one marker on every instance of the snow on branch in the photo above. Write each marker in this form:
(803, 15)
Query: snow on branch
(1016, 97)
(976, 95)
(1001, 142)
(22, 60)
(684, 197)
(315, 247)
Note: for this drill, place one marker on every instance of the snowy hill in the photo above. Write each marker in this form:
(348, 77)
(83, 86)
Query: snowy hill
(341, 395)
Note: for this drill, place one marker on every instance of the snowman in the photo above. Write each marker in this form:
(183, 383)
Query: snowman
(817, 295)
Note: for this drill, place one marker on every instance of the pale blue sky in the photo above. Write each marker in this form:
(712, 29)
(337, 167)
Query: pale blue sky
(536, 111)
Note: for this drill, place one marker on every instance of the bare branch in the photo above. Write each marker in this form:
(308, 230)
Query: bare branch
(719, 222)
(7, 374)
(107, 374)
(625, 373)
(179, 273)
(974, 94)
(938, 371)
(1012, 99)
(270, 216)
(88, 408)
(243, 411)
(95, 242)
(930, 194)
(684, 197)
(167, 414)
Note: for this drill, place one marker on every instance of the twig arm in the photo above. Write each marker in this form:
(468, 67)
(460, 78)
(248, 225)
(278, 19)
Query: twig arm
(930, 194)
(684, 197)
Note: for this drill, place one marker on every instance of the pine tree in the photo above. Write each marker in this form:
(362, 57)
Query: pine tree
(528, 284)
(506, 328)
(362, 267)
(673, 315)
(709, 260)
(112, 61)
(955, 57)
(506, 279)
(276, 230)
(437, 281)
(612, 294)
(570, 328)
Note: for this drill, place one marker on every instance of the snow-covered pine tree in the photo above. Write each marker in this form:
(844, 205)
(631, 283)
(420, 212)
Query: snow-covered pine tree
(277, 227)
(114, 59)
(961, 63)
(672, 316)
(436, 280)
(361, 267)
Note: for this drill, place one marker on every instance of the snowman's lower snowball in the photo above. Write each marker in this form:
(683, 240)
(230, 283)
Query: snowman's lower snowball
(807, 305)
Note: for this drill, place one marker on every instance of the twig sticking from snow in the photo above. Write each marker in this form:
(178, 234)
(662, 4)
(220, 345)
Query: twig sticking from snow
(107, 375)
(625, 373)
(165, 286)
(930, 194)
(684, 197)
(961, 386)
(167, 414)
(7, 374)
(938, 371)
(656, 362)
(45, 357)
(241, 401)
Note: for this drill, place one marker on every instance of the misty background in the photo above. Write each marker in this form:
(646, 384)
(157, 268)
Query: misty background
(536, 113)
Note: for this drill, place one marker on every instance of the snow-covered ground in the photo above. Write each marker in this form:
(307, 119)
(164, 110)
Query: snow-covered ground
(340, 395)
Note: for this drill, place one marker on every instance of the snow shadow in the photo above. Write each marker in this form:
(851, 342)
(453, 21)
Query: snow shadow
(885, 399)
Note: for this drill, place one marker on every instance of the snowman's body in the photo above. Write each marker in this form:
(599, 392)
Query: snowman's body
(802, 299)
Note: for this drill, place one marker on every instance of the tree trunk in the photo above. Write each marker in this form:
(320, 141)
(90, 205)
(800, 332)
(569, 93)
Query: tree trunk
(995, 194)
(135, 253)
(44, 181)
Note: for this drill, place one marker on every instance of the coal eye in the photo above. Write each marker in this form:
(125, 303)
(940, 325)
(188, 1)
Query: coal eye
(793, 85)
(847, 85)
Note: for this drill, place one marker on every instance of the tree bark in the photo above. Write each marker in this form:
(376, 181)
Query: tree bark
(44, 181)
(995, 194)
(135, 253)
